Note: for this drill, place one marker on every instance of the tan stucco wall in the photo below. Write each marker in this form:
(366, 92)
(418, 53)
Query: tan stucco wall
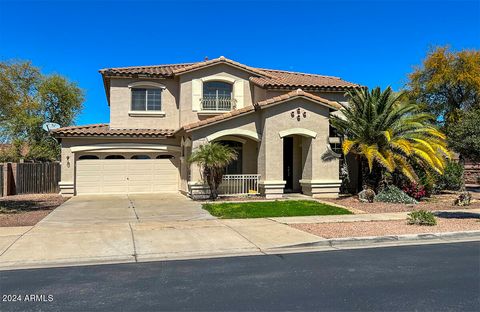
(120, 105)
(250, 122)
(269, 122)
(220, 70)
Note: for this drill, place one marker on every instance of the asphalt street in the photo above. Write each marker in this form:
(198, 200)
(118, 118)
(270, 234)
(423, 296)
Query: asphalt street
(437, 277)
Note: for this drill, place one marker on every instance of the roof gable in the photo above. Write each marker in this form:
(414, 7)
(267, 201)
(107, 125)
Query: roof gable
(220, 60)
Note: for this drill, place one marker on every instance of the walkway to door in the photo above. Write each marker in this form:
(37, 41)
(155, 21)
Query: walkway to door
(127, 208)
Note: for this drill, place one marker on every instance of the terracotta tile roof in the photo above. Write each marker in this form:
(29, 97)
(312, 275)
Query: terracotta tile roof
(286, 80)
(224, 116)
(104, 130)
(154, 70)
(221, 59)
(262, 104)
(298, 93)
(265, 78)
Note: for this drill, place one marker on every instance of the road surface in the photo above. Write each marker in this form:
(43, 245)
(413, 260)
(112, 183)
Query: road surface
(437, 277)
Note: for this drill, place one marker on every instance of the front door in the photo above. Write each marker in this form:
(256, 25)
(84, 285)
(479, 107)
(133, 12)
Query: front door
(288, 163)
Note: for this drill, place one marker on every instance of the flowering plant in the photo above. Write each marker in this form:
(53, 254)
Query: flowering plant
(415, 190)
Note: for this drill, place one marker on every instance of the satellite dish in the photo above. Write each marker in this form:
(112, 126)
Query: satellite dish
(48, 126)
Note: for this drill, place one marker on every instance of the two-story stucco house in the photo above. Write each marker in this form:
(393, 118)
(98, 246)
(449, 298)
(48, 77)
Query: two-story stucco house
(276, 120)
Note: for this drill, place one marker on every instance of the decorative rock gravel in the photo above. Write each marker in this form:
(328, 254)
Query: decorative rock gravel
(437, 202)
(26, 210)
(380, 228)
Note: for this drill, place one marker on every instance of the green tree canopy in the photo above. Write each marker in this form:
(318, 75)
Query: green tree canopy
(27, 100)
(447, 82)
(464, 136)
(389, 134)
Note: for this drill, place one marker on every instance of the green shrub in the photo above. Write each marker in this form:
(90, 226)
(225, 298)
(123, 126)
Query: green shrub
(452, 178)
(421, 217)
(392, 194)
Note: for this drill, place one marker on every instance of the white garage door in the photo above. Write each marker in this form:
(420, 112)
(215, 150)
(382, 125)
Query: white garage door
(120, 176)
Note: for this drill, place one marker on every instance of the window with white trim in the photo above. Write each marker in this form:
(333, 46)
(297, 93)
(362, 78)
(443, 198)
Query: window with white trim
(144, 99)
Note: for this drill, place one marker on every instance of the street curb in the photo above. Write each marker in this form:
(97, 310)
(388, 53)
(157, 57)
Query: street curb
(389, 239)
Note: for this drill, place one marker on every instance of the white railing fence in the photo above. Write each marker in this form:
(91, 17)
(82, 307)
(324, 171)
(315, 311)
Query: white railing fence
(217, 103)
(239, 184)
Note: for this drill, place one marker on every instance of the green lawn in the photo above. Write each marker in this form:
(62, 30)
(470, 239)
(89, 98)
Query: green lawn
(289, 208)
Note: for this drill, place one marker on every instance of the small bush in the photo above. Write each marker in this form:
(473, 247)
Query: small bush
(421, 217)
(392, 194)
(452, 178)
(415, 191)
(463, 199)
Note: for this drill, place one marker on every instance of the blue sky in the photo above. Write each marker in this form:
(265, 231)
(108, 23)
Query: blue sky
(375, 43)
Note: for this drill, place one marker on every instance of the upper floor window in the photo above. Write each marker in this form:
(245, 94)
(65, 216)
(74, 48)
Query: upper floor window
(217, 95)
(146, 99)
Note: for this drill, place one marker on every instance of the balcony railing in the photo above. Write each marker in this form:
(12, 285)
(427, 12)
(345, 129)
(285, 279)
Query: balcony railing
(239, 184)
(221, 104)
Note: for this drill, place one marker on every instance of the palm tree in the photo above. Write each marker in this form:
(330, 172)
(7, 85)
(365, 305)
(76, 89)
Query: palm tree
(390, 134)
(213, 158)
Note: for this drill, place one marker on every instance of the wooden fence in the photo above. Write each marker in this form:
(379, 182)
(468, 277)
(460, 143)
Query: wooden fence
(35, 178)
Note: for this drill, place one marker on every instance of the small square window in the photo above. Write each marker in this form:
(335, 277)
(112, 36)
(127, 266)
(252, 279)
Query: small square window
(146, 100)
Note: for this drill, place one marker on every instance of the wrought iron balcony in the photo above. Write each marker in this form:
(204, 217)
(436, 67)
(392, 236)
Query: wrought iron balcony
(220, 104)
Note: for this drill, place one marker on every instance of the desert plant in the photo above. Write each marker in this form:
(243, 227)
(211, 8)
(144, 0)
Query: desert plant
(421, 217)
(213, 158)
(452, 177)
(415, 190)
(463, 199)
(389, 134)
(392, 194)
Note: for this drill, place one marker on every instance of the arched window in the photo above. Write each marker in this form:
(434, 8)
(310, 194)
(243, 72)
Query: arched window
(140, 157)
(88, 157)
(216, 89)
(235, 167)
(115, 157)
(165, 157)
(217, 95)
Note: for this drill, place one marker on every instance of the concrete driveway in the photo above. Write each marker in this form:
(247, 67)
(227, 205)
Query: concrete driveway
(91, 209)
(132, 228)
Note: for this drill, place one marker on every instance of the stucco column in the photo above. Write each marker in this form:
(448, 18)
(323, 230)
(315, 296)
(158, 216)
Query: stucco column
(196, 187)
(67, 182)
(270, 166)
(320, 177)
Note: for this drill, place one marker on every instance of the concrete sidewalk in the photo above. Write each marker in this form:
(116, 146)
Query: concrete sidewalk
(61, 243)
(54, 244)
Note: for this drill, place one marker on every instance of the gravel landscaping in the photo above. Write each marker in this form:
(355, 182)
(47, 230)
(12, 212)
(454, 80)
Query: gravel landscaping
(379, 228)
(436, 202)
(27, 210)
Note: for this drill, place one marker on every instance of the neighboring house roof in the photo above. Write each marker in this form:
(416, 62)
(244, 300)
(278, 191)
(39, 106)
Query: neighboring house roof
(105, 130)
(265, 78)
(260, 105)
